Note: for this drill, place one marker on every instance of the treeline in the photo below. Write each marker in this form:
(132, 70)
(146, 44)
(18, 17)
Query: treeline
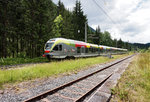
(26, 25)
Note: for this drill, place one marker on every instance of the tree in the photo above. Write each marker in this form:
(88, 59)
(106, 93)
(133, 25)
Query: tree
(25, 26)
(38, 24)
(148, 50)
(67, 25)
(120, 43)
(10, 20)
(98, 34)
(106, 39)
(57, 26)
(4, 26)
(61, 8)
(67, 31)
(115, 43)
(79, 20)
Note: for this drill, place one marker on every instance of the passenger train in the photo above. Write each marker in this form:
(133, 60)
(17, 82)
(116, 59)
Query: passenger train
(61, 48)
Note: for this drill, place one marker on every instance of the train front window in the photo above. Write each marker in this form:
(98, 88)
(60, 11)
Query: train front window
(49, 45)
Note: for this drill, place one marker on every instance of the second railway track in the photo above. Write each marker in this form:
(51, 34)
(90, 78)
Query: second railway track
(77, 90)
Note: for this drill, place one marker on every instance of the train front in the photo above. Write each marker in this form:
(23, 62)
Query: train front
(48, 48)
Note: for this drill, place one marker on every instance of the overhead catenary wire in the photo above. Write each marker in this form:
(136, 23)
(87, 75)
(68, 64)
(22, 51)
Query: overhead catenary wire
(104, 2)
(105, 13)
(104, 10)
(103, 5)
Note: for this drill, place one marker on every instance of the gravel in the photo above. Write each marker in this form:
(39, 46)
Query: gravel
(58, 99)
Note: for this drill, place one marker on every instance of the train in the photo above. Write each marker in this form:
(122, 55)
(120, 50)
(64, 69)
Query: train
(59, 48)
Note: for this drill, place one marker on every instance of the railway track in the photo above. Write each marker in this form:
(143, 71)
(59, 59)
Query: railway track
(77, 90)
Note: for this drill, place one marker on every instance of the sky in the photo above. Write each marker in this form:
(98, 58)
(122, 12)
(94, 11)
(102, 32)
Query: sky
(125, 19)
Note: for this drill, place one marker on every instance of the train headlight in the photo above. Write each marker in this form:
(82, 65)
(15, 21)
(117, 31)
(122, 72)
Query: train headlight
(44, 55)
(47, 51)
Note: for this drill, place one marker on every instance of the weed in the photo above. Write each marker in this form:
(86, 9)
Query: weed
(134, 85)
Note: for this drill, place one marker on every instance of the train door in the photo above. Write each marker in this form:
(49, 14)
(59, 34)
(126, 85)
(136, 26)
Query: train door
(82, 50)
(71, 51)
(78, 50)
(65, 50)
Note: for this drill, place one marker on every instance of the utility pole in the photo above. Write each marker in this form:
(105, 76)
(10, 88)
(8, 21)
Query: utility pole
(85, 31)
(116, 40)
(116, 43)
(128, 45)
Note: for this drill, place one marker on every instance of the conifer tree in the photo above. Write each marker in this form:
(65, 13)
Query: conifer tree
(79, 20)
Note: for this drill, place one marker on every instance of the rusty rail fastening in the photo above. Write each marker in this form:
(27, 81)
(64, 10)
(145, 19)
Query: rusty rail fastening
(52, 91)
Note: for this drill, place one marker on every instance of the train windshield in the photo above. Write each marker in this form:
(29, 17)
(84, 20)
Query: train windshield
(49, 45)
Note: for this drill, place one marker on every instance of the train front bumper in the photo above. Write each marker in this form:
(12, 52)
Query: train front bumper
(48, 55)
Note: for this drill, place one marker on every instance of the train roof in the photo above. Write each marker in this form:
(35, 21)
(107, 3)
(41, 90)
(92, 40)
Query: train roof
(77, 43)
(72, 42)
(112, 48)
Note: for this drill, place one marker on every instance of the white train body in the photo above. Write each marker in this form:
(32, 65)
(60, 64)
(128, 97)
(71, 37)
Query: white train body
(62, 48)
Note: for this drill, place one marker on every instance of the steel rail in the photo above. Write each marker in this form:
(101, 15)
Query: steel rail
(80, 99)
(52, 91)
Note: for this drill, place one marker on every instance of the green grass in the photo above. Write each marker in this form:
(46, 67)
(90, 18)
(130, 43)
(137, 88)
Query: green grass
(49, 69)
(134, 86)
(13, 61)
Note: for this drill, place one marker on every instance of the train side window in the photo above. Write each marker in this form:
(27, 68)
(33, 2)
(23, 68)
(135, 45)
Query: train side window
(55, 48)
(78, 49)
(93, 50)
(82, 50)
(97, 49)
(90, 49)
(58, 48)
(86, 50)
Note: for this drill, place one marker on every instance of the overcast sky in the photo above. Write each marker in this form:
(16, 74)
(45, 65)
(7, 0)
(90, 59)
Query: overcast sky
(130, 18)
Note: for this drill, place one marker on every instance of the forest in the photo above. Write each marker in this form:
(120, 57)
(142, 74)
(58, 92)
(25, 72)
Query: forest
(26, 25)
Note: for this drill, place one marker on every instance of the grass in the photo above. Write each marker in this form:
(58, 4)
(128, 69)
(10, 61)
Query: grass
(134, 86)
(14, 61)
(50, 69)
